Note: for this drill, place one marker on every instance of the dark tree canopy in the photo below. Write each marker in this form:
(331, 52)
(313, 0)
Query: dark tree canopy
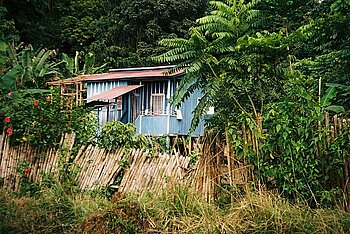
(120, 33)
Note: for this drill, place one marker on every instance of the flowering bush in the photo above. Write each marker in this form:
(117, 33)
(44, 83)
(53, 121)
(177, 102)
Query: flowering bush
(40, 117)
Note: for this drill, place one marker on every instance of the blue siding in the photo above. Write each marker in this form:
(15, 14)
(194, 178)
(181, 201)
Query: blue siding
(148, 124)
(157, 125)
(186, 110)
(94, 88)
(154, 125)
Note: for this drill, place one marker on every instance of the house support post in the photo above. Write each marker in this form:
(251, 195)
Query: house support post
(140, 126)
(168, 110)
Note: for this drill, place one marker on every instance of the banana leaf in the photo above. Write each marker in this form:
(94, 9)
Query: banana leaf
(8, 80)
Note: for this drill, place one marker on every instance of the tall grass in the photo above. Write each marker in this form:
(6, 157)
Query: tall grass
(175, 210)
(180, 210)
(51, 210)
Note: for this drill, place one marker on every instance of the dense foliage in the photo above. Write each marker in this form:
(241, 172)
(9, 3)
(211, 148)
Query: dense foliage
(116, 134)
(267, 65)
(121, 33)
(264, 64)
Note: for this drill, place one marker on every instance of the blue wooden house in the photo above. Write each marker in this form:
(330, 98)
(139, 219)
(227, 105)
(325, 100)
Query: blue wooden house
(141, 96)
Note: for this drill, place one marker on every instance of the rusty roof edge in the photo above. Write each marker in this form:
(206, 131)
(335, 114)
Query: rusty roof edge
(104, 95)
(141, 68)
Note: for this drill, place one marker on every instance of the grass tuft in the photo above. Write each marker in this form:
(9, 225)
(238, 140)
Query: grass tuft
(174, 210)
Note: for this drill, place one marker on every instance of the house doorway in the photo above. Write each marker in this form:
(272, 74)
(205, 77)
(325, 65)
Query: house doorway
(135, 110)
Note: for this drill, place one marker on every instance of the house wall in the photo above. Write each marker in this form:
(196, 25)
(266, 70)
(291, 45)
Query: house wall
(103, 113)
(150, 124)
(154, 87)
(157, 125)
(94, 88)
(186, 110)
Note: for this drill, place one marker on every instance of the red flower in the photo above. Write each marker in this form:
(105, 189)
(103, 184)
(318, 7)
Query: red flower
(2, 69)
(9, 131)
(67, 125)
(36, 103)
(68, 104)
(9, 94)
(27, 171)
(7, 119)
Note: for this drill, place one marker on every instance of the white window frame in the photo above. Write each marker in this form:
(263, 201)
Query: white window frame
(161, 110)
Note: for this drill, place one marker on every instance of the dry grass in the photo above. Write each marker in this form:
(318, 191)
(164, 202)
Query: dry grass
(175, 210)
(181, 211)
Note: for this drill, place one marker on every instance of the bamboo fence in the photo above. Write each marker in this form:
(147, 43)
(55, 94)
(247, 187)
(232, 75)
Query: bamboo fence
(16, 160)
(99, 167)
(217, 166)
(154, 172)
(95, 167)
(335, 127)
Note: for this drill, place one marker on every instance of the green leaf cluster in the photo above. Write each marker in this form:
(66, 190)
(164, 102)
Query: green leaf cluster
(116, 134)
(41, 117)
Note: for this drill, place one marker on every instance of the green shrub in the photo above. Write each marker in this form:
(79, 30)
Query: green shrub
(116, 134)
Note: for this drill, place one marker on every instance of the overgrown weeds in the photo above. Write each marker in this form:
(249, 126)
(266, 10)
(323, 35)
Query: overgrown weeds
(52, 210)
(180, 210)
(174, 210)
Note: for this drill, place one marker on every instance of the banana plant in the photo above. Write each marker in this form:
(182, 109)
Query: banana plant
(330, 95)
(72, 65)
(26, 68)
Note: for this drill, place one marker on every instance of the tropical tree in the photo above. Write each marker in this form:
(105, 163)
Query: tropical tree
(328, 45)
(230, 62)
(26, 68)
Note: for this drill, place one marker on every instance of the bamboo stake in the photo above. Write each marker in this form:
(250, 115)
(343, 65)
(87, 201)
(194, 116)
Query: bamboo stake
(2, 140)
(335, 121)
(86, 157)
(129, 174)
(115, 167)
(332, 133)
(83, 163)
(158, 180)
(11, 167)
(88, 169)
(134, 174)
(107, 167)
(3, 159)
(99, 158)
(140, 175)
(99, 165)
(147, 175)
(327, 128)
(51, 155)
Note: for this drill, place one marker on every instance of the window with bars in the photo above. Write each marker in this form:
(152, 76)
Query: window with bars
(157, 103)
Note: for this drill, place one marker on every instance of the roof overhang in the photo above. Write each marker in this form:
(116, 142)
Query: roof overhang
(114, 93)
(132, 75)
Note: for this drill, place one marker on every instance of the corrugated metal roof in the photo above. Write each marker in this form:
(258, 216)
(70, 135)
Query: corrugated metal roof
(113, 93)
(129, 75)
